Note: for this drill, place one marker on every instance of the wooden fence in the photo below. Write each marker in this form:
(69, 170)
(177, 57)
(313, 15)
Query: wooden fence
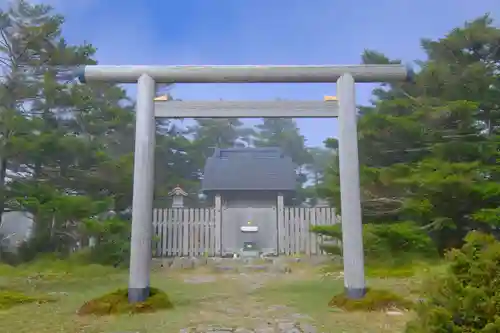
(185, 232)
(197, 231)
(294, 236)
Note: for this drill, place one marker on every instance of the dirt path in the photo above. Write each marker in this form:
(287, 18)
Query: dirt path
(245, 311)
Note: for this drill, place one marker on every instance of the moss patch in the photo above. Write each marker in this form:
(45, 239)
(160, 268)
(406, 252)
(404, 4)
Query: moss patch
(10, 298)
(374, 300)
(117, 303)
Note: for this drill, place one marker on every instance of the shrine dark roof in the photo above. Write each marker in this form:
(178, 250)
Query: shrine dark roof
(258, 169)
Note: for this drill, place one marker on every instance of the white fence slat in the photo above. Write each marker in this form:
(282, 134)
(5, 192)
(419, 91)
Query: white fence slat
(185, 231)
(296, 220)
(303, 231)
(298, 226)
(156, 225)
(218, 224)
(201, 231)
(206, 228)
(289, 231)
(196, 232)
(170, 232)
(305, 224)
(312, 236)
(191, 222)
(161, 234)
(280, 225)
(292, 231)
(164, 232)
(323, 222)
(211, 238)
(177, 231)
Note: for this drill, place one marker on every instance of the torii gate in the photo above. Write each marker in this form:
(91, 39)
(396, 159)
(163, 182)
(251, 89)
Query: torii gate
(147, 109)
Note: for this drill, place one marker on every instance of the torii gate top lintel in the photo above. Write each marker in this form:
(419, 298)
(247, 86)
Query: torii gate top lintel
(244, 73)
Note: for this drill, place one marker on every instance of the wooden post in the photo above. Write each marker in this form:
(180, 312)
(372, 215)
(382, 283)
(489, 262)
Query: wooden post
(218, 225)
(281, 225)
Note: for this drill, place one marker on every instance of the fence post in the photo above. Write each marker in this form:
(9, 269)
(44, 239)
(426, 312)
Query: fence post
(218, 224)
(280, 220)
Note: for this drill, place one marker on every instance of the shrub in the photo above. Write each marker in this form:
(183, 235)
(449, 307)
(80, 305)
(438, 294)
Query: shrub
(466, 298)
(113, 242)
(386, 242)
(109, 252)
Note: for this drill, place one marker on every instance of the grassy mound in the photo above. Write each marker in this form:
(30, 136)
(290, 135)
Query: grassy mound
(117, 303)
(10, 298)
(374, 300)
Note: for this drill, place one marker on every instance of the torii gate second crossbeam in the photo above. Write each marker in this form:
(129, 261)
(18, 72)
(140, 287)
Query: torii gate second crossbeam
(147, 109)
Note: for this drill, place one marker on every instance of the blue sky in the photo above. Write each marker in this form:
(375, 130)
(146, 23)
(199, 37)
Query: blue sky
(217, 32)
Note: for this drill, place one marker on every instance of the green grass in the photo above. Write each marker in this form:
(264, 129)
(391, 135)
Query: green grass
(10, 298)
(71, 287)
(306, 291)
(387, 270)
(311, 297)
(302, 295)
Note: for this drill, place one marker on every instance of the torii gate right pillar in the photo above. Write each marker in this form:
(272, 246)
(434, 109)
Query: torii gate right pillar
(352, 228)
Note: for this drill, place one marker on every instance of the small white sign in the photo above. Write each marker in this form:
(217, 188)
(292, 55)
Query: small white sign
(249, 228)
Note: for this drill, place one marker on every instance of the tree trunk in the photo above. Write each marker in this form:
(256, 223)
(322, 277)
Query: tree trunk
(3, 175)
